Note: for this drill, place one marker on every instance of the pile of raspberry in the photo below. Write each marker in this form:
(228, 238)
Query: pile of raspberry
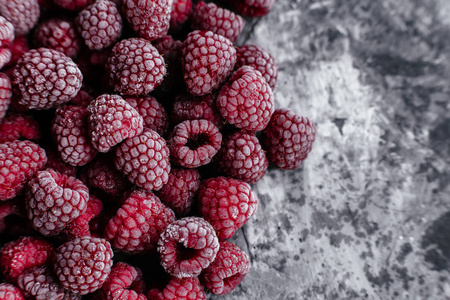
(131, 134)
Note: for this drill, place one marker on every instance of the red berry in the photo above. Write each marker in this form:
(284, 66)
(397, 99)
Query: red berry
(208, 59)
(252, 8)
(152, 112)
(6, 32)
(5, 94)
(100, 24)
(15, 126)
(73, 4)
(188, 288)
(71, 135)
(187, 246)
(193, 143)
(188, 107)
(10, 292)
(112, 120)
(209, 16)
(246, 100)
(23, 14)
(5, 57)
(226, 203)
(181, 11)
(144, 159)
(46, 78)
(135, 67)
(149, 18)
(82, 265)
(19, 161)
(138, 223)
(288, 138)
(228, 269)
(80, 226)
(53, 200)
(23, 253)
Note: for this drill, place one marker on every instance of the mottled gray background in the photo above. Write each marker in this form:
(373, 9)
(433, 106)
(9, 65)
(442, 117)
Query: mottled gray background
(368, 214)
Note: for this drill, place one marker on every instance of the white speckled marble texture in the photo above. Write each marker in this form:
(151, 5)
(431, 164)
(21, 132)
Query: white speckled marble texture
(367, 216)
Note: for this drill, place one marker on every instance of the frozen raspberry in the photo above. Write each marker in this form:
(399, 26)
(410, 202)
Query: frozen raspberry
(121, 284)
(228, 269)
(10, 292)
(242, 157)
(193, 143)
(149, 18)
(5, 94)
(55, 162)
(135, 67)
(226, 203)
(39, 283)
(288, 139)
(23, 253)
(71, 135)
(100, 24)
(188, 288)
(73, 4)
(251, 8)
(80, 226)
(5, 57)
(181, 11)
(260, 59)
(144, 159)
(53, 200)
(187, 246)
(6, 32)
(82, 265)
(82, 98)
(19, 161)
(188, 107)
(208, 59)
(246, 100)
(152, 112)
(179, 191)
(209, 16)
(138, 223)
(15, 126)
(23, 14)
(58, 34)
(111, 120)
(46, 78)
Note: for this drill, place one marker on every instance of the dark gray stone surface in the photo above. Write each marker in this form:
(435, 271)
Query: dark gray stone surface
(368, 214)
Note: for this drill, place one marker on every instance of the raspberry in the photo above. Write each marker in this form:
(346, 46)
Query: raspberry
(19, 161)
(193, 143)
(242, 157)
(149, 18)
(46, 78)
(53, 200)
(208, 59)
(100, 24)
(6, 32)
(226, 203)
(135, 67)
(71, 135)
(246, 100)
(152, 112)
(188, 107)
(260, 59)
(181, 11)
(82, 265)
(209, 16)
(80, 226)
(23, 253)
(5, 94)
(16, 126)
(187, 246)
(39, 283)
(188, 288)
(144, 159)
(111, 120)
(288, 139)
(58, 34)
(73, 4)
(10, 292)
(138, 223)
(251, 8)
(23, 14)
(228, 269)
(179, 191)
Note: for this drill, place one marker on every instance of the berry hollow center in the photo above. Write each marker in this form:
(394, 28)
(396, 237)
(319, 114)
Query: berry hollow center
(197, 141)
(184, 253)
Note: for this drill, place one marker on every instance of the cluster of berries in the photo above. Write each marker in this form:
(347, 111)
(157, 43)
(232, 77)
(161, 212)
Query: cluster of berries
(134, 129)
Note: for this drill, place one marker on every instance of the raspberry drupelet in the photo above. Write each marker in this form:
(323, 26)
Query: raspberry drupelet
(10, 292)
(6, 32)
(227, 204)
(208, 59)
(188, 288)
(153, 113)
(193, 143)
(5, 94)
(288, 139)
(83, 264)
(23, 14)
(5, 57)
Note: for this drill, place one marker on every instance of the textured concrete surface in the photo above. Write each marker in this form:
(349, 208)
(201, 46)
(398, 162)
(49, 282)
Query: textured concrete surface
(368, 214)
